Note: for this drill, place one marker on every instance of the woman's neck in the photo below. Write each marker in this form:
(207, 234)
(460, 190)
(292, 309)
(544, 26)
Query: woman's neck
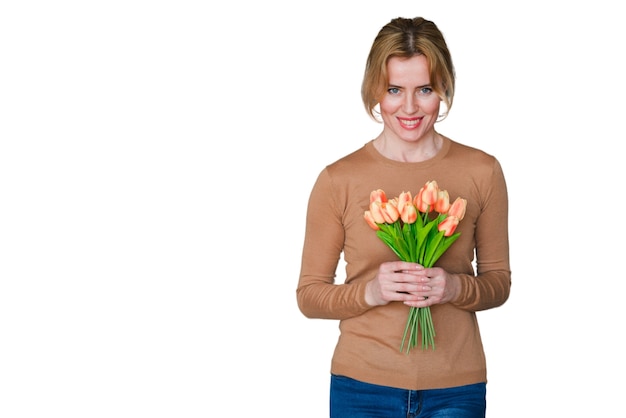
(410, 152)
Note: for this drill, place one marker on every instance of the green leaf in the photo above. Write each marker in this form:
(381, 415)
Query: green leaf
(444, 245)
(408, 231)
(421, 239)
(401, 244)
(433, 244)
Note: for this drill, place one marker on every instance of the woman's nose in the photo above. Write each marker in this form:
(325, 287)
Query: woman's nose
(410, 104)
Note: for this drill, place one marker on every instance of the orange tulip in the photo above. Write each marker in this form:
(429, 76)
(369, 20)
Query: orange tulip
(427, 197)
(419, 205)
(370, 220)
(449, 225)
(384, 212)
(430, 192)
(458, 208)
(378, 196)
(407, 210)
(376, 211)
(403, 198)
(408, 213)
(390, 212)
(443, 202)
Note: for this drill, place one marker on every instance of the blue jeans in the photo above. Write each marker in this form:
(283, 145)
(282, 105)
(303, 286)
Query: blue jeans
(350, 398)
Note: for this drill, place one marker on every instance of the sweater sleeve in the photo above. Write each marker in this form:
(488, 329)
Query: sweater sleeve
(317, 293)
(491, 286)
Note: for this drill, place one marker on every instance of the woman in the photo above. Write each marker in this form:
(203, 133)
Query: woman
(409, 75)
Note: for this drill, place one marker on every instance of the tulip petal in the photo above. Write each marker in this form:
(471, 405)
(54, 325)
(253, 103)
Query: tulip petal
(370, 220)
(457, 209)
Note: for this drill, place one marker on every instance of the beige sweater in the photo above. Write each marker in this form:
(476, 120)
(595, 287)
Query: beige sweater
(368, 348)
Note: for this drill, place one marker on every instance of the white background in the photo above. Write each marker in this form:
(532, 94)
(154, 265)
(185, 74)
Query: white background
(155, 163)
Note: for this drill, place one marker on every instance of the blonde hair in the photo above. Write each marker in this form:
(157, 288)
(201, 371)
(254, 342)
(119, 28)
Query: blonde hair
(405, 38)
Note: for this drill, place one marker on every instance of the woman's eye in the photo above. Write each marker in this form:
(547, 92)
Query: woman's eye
(393, 90)
(425, 91)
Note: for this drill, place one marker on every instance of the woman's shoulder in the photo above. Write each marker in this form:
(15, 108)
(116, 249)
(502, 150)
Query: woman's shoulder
(475, 162)
(462, 148)
(468, 153)
(358, 157)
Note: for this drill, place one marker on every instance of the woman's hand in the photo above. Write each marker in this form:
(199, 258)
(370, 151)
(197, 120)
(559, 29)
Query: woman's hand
(412, 284)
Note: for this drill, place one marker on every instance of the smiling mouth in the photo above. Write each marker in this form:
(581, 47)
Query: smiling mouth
(410, 123)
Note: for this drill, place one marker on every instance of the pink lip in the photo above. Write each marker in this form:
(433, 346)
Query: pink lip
(403, 123)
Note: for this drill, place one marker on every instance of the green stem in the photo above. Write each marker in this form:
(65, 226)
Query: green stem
(420, 321)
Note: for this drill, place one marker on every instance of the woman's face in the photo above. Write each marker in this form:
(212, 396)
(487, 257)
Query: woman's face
(409, 107)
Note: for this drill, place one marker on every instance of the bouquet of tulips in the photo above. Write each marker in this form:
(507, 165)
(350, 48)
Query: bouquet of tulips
(418, 230)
